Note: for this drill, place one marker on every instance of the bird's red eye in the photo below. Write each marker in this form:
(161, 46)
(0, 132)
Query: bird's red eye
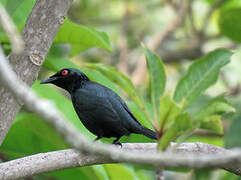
(64, 72)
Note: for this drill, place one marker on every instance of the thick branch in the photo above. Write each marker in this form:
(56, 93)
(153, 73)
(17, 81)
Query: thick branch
(38, 34)
(70, 158)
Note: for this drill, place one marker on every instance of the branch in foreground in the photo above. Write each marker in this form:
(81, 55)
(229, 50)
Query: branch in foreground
(70, 158)
(11, 30)
(72, 136)
(38, 33)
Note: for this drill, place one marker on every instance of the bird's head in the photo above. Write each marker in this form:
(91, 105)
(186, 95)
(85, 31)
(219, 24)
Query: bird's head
(67, 78)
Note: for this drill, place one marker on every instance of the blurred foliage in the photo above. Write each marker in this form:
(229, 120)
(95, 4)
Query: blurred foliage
(175, 98)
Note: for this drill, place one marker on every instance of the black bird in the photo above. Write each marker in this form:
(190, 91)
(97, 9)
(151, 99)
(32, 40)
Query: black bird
(99, 108)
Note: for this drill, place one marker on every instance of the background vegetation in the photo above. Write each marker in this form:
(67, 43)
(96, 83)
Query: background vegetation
(103, 39)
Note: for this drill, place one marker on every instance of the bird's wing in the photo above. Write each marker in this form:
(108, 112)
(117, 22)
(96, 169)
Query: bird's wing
(110, 118)
(129, 111)
(113, 96)
(99, 111)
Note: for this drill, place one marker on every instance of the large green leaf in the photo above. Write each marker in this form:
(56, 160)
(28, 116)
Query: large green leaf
(81, 37)
(157, 78)
(125, 83)
(28, 135)
(201, 74)
(229, 23)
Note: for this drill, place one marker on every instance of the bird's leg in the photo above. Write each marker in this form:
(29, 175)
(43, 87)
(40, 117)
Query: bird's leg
(116, 141)
(97, 138)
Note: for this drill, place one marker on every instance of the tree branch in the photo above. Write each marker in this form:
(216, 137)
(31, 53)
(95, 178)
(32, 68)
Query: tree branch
(38, 34)
(11, 30)
(70, 158)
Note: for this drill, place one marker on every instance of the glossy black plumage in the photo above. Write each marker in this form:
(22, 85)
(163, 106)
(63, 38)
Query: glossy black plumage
(99, 108)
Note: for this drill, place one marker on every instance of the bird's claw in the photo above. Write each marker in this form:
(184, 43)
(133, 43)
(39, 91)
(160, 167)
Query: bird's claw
(118, 143)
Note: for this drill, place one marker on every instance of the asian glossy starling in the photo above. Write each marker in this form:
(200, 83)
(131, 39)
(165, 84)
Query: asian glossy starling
(99, 108)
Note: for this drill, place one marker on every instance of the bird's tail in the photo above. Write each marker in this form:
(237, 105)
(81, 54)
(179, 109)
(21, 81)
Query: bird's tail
(148, 133)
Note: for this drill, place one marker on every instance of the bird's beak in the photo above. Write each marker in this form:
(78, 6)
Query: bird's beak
(49, 80)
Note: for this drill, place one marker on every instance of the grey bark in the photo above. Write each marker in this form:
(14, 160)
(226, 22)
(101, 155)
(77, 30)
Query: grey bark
(38, 33)
(70, 158)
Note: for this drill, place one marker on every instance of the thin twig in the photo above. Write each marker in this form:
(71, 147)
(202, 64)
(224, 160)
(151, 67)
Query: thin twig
(11, 31)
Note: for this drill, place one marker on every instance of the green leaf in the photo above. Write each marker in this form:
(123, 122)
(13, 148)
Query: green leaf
(119, 172)
(232, 137)
(212, 123)
(37, 135)
(125, 83)
(83, 173)
(201, 74)
(168, 111)
(217, 106)
(229, 23)
(157, 78)
(181, 124)
(81, 37)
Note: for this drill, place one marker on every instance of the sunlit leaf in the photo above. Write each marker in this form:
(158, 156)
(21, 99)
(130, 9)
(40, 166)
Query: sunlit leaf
(201, 74)
(81, 37)
(157, 77)
(118, 172)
